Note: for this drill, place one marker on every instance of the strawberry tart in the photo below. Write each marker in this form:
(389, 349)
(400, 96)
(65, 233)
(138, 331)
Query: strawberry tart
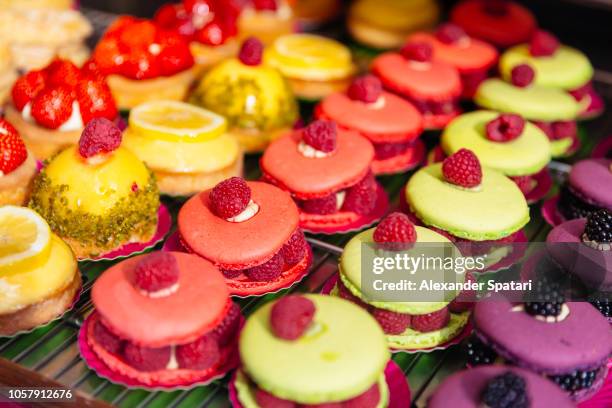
(17, 166)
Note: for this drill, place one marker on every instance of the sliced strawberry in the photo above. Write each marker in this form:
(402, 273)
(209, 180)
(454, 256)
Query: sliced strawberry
(108, 57)
(175, 58)
(140, 65)
(211, 34)
(27, 87)
(95, 100)
(12, 149)
(63, 72)
(91, 70)
(53, 106)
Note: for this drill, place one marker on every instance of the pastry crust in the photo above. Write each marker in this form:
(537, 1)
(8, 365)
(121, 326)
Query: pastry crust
(15, 186)
(206, 56)
(315, 90)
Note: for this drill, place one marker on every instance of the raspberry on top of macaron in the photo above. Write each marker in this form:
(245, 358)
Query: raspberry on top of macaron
(163, 319)
(258, 222)
(462, 169)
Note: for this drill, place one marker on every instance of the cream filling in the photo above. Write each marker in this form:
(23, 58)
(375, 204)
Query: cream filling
(377, 104)
(74, 122)
(311, 152)
(249, 212)
(172, 363)
(340, 196)
(162, 292)
(565, 311)
(474, 189)
(600, 246)
(420, 66)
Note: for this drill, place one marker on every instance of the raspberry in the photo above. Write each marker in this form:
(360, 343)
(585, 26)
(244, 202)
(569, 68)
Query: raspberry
(365, 89)
(361, 198)
(99, 136)
(290, 316)
(598, 227)
(106, 339)
(543, 44)
(225, 331)
(346, 294)
(505, 127)
(251, 51)
(507, 390)
(267, 271)
(266, 400)
(450, 33)
(52, 106)
(265, 5)
(394, 231)
(417, 51)
(384, 151)
(27, 87)
(462, 168)
(496, 8)
(431, 321)
(547, 128)
(367, 399)
(293, 251)
(522, 75)
(391, 322)
(323, 206)
(13, 150)
(230, 197)
(321, 135)
(231, 273)
(145, 358)
(563, 129)
(465, 300)
(524, 183)
(156, 271)
(198, 355)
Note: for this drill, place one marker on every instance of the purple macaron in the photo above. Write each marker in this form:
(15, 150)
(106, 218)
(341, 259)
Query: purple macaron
(572, 350)
(588, 188)
(472, 387)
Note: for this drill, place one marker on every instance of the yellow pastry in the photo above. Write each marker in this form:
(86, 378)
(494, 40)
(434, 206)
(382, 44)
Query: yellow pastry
(311, 13)
(254, 98)
(31, 4)
(39, 278)
(266, 20)
(8, 74)
(188, 148)
(17, 166)
(97, 196)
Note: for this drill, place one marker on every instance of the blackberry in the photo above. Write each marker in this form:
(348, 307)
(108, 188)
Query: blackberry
(602, 303)
(572, 207)
(547, 295)
(479, 353)
(578, 380)
(599, 226)
(507, 390)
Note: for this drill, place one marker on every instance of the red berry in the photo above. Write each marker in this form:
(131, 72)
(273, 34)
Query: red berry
(266, 400)
(13, 151)
(431, 321)
(384, 151)
(211, 34)
(108, 57)
(63, 72)
(524, 183)
(91, 70)
(146, 358)
(95, 100)
(506, 127)
(346, 294)
(522, 75)
(365, 89)
(156, 271)
(202, 7)
(417, 51)
(138, 35)
(251, 51)
(267, 271)
(462, 168)
(547, 128)
(496, 8)
(230, 197)
(198, 355)
(465, 300)
(391, 322)
(231, 273)
(175, 58)
(167, 16)
(27, 87)
(543, 44)
(450, 33)
(265, 5)
(367, 399)
(290, 316)
(323, 206)
(394, 231)
(294, 250)
(140, 64)
(53, 106)
(563, 129)
(321, 135)
(362, 197)
(99, 136)
(107, 339)
(225, 332)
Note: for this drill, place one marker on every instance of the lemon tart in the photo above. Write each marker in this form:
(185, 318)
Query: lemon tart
(39, 279)
(187, 147)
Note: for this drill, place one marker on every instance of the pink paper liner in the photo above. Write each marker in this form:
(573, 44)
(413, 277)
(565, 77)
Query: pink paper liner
(603, 397)
(399, 390)
(603, 148)
(95, 363)
(382, 206)
(417, 157)
(463, 334)
(164, 223)
(550, 213)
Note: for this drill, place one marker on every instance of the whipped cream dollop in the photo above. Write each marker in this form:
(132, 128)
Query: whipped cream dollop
(249, 212)
(74, 122)
(311, 152)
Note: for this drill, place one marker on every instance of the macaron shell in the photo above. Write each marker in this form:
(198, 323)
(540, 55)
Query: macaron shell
(527, 154)
(467, 55)
(308, 177)
(566, 69)
(197, 306)
(329, 363)
(397, 120)
(496, 210)
(465, 388)
(533, 102)
(429, 81)
(583, 340)
(239, 245)
(592, 178)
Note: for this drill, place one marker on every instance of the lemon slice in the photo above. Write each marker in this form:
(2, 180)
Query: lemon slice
(25, 239)
(176, 121)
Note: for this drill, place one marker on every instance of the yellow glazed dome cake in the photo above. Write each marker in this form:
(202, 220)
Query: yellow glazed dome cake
(97, 196)
(188, 148)
(39, 279)
(17, 166)
(254, 98)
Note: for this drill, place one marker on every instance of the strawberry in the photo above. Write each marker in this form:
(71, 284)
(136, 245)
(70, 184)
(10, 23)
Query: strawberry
(140, 65)
(211, 34)
(12, 149)
(107, 56)
(138, 34)
(167, 16)
(91, 70)
(95, 100)
(176, 58)
(63, 72)
(53, 106)
(27, 87)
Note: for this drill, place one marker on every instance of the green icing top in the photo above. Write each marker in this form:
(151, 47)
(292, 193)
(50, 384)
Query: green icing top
(342, 355)
(533, 102)
(494, 210)
(567, 68)
(525, 155)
